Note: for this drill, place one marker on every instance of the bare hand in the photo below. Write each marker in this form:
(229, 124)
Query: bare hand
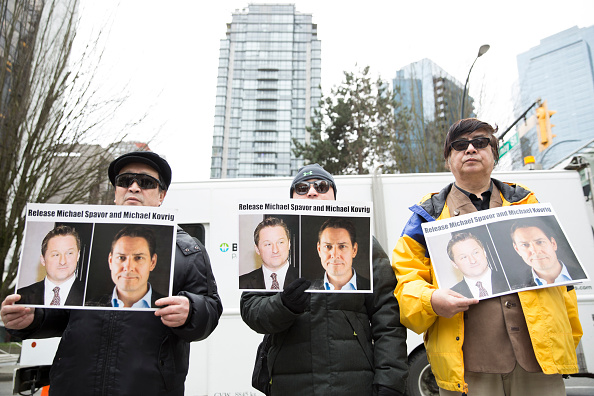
(16, 317)
(447, 303)
(176, 311)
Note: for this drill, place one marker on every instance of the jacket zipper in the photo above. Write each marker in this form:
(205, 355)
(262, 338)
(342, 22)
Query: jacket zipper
(104, 384)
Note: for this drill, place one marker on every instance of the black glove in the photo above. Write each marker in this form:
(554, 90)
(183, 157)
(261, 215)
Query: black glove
(294, 296)
(385, 391)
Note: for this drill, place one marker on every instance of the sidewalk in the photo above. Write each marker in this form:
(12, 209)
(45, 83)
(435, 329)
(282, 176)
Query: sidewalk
(6, 373)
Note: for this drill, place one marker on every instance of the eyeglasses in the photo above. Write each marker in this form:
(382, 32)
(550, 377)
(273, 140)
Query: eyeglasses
(321, 186)
(477, 143)
(146, 182)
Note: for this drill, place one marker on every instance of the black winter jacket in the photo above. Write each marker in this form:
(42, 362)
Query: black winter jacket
(342, 345)
(109, 352)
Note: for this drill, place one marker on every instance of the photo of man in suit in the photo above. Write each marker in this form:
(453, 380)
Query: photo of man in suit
(272, 244)
(131, 260)
(535, 242)
(467, 254)
(337, 247)
(60, 252)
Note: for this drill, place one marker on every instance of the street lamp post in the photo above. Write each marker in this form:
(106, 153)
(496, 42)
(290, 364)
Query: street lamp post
(482, 51)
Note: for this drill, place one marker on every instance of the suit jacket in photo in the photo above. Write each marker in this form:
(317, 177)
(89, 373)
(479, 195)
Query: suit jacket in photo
(34, 294)
(498, 282)
(362, 284)
(255, 279)
(105, 300)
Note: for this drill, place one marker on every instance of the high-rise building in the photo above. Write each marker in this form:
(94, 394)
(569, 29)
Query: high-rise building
(559, 70)
(431, 94)
(268, 86)
(433, 99)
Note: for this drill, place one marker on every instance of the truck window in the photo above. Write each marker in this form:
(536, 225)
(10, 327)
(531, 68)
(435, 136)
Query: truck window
(195, 230)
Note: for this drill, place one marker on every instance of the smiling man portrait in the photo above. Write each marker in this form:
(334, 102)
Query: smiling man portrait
(467, 254)
(60, 252)
(272, 243)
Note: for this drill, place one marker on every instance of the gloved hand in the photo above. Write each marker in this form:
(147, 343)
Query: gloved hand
(386, 391)
(294, 296)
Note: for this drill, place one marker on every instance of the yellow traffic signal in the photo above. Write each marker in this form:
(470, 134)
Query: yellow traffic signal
(545, 135)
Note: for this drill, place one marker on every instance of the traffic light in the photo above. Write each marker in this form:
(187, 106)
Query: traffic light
(545, 135)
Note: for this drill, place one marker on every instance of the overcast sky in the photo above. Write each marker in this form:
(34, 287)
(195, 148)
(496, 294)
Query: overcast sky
(165, 54)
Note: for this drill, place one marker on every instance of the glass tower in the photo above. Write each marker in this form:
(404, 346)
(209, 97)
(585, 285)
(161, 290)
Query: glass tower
(431, 94)
(560, 70)
(433, 99)
(268, 86)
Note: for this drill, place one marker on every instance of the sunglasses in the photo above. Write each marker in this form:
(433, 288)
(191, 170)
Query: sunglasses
(145, 182)
(477, 143)
(321, 186)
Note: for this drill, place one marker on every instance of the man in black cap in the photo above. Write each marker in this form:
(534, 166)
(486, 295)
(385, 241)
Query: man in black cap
(143, 176)
(132, 352)
(331, 343)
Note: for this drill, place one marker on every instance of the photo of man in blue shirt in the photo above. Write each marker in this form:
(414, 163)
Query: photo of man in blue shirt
(536, 244)
(337, 247)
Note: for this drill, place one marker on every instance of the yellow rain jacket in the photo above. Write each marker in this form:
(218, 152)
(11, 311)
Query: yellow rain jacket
(551, 313)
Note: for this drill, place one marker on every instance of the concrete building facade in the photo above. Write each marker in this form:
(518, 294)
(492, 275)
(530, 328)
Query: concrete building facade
(559, 70)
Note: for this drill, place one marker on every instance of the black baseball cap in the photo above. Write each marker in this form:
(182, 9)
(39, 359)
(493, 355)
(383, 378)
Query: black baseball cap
(144, 157)
(312, 171)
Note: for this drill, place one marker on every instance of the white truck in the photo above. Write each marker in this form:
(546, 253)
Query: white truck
(222, 364)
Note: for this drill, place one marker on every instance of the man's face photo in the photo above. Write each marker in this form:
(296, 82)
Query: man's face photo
(337, 252)
(130, 263)
(470, 258)
(60, 258)
(273, 247)
(536, 249)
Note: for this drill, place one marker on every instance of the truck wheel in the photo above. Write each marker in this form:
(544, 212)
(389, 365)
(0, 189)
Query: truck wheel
(421, 381)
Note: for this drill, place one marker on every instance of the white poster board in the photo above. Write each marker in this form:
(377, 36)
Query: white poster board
(506, 249)
(85, 250)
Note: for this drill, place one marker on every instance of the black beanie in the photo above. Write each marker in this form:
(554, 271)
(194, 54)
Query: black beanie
(312, 171)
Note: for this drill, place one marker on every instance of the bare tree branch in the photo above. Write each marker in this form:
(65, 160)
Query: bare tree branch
(52, 118)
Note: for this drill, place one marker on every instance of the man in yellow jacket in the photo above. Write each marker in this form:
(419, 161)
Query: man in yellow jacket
(517, 344)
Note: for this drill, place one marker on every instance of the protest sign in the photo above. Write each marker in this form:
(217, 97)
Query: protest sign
(326, 242)
(501, 251)
(82, 256)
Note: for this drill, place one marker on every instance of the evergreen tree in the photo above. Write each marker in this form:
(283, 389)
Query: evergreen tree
(357, 128)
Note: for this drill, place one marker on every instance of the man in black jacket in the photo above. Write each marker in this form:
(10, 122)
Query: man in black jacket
(331, 343)
(131, 353)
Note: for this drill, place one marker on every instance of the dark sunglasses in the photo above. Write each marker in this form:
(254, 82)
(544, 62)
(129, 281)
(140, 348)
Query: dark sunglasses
(321, 186)
(477, 143)
(146, 182)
